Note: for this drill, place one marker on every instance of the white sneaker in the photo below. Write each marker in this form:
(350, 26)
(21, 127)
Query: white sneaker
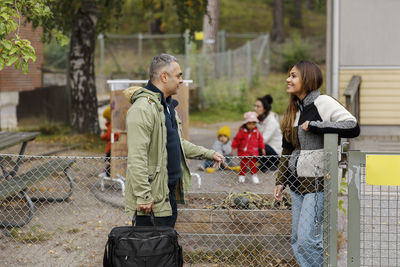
(255, 179)
(242, 178)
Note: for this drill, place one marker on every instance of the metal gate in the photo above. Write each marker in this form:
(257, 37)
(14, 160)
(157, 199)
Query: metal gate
(373, 212)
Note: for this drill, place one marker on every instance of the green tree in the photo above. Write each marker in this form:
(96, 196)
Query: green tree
(14, 49)
(83, 19)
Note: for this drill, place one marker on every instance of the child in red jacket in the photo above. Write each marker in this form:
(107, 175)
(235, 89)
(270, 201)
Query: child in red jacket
(107, 137)
(247, 141)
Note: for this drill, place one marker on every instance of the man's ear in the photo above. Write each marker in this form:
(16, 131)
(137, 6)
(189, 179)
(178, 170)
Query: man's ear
(164, 76)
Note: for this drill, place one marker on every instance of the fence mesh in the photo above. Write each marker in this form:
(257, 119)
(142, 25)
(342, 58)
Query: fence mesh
(379, 224)
(58, 211)
(230, 71)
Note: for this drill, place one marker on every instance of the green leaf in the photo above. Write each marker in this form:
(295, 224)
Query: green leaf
(7, 44)
(13, 25)
(11, 60)
(25, 67)
(1, 63)
(13, 50)
(18, 64)
(5, 16)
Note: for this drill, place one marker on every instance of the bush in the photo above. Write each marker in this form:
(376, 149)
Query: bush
(295, 50)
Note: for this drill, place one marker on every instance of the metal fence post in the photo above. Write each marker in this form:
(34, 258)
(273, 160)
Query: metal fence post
(100, 37)
(201, 82)
(187, 54)
(140, 44)
(248, 63)
(331, 199)
(267, 56)
(229, 55)
(353, 210)
(222, 41)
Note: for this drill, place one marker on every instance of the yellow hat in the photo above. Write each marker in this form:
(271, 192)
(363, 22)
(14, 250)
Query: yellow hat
(107, 113)
(225, 130)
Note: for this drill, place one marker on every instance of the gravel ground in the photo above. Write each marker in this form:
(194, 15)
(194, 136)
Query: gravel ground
(73, 232)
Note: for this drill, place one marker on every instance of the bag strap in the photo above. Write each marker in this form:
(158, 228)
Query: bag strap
(107, 258)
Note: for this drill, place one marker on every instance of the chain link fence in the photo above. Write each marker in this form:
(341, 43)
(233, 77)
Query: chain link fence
(129, 56)
(58, 211)
(379, 224)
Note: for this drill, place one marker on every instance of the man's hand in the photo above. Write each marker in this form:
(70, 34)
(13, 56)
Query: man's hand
(218, 158)
(263, 152)
(145, 207)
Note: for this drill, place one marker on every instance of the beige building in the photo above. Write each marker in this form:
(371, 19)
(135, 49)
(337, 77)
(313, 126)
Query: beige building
(363, 39)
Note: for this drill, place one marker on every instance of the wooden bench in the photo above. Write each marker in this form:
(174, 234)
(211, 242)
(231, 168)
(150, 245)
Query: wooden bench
(16, 186)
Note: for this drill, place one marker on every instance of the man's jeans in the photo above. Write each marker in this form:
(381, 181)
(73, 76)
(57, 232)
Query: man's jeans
(162, 221)
(306, 243)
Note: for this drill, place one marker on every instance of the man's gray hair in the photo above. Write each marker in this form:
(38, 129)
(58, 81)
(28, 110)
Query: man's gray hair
(158, 63)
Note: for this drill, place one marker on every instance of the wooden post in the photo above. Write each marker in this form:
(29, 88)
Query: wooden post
(119, 148)
(183, 108)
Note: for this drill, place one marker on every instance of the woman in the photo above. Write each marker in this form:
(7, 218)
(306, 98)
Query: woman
(270, 129)
(308, 116)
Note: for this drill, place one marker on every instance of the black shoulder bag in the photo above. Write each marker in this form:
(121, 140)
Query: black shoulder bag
(150, 246)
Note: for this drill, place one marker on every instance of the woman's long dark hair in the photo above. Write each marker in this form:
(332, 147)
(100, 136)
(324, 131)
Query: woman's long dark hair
(311, 79)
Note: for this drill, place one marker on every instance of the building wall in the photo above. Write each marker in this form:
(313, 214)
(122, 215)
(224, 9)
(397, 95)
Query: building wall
(15, 80)
(379, 94)
(368, 33)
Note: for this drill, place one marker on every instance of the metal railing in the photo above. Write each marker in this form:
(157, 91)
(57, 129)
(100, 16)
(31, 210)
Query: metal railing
(224, 221)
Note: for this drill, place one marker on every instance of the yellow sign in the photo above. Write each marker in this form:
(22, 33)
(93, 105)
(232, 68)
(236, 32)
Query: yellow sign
(198, 36)
(382, 169)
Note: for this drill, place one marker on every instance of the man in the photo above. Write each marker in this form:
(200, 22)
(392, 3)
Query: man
(157, 173)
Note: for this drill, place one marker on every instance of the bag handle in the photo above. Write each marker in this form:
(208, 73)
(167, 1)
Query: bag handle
(152, 218)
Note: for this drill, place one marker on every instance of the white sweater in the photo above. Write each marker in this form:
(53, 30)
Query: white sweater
(271, 132)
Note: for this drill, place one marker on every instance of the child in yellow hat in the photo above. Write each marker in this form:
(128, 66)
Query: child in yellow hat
(222, 145)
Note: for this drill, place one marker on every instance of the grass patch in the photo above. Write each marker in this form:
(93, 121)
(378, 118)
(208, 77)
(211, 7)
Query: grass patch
(35, 234)
(51, 132)
(225, 105)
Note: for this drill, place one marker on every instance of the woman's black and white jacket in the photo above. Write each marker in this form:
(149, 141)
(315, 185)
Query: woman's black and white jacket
(302, 157)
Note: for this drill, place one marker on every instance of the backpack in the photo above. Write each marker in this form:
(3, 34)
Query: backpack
(150, 246)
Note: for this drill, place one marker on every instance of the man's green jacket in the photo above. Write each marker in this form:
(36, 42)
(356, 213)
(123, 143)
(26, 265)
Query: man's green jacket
(147, 175)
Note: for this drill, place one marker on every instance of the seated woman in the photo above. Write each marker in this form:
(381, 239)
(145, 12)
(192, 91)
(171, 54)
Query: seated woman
(270, 129)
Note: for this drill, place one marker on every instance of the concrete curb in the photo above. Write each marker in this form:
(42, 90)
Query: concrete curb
(109, 195)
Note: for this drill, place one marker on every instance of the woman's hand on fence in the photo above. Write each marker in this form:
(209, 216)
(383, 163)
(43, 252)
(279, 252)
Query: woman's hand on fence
(278, 192)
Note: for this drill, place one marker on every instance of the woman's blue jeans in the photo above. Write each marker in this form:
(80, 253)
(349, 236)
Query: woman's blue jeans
(307, 242)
